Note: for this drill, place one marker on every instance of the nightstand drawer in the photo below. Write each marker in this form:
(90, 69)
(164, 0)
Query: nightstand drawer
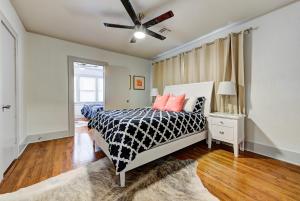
(222, 122)
(222, 133)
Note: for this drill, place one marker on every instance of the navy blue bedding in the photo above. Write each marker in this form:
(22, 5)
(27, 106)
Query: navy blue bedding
(89, 111)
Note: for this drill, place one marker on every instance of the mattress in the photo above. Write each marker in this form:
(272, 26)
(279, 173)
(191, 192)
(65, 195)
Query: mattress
(133, 131)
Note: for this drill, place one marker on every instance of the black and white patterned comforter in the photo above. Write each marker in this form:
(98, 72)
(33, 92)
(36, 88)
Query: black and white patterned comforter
(130, 132)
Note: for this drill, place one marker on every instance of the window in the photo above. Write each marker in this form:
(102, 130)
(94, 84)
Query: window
(87, 91)
(100, 89)
(88, 88)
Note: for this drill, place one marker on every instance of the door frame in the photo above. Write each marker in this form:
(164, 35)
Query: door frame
(71, 60)
(4, 21)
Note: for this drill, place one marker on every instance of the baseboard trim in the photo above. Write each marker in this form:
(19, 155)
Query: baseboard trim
(22, 147)
(47, 136)
(279, 154)
(42, 137)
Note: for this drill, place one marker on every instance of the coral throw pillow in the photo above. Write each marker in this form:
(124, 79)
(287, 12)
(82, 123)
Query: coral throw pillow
(160, 102)
(175, 103)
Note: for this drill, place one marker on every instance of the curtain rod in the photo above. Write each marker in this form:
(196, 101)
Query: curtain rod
(246, 31)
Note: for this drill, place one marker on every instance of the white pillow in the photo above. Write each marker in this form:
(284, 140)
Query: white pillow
(190, 103)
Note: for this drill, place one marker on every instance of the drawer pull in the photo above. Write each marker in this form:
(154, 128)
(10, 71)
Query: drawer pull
(221, 132)
(221, 122)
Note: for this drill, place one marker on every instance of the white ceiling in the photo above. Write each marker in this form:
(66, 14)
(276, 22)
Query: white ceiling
(81, 21)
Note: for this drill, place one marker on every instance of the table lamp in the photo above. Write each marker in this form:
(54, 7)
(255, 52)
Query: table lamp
(227, 89)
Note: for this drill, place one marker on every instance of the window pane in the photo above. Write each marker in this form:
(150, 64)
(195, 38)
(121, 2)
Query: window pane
(100, 96)
(100, 89)
(87, 83)
(87, 96)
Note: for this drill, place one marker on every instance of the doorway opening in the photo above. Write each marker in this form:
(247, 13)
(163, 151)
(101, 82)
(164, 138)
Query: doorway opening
(86, 92)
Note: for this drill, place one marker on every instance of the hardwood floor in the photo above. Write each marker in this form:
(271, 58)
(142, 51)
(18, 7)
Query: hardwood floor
(249, 177)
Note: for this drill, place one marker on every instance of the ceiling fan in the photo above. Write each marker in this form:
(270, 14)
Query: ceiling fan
(141, 29)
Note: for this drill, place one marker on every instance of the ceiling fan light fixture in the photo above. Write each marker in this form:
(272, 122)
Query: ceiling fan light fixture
(139, 35)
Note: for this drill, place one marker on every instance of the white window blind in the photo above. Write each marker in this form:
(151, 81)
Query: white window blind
(88, 89)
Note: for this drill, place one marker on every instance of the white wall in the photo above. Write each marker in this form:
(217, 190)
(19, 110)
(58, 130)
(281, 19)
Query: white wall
(10, 14)
(47, 80)
(272, 79)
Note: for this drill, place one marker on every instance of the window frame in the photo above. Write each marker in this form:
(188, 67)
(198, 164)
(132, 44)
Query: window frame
(78, 91)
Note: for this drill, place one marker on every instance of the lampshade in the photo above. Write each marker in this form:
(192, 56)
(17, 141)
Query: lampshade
(154, 92)
(227, 88)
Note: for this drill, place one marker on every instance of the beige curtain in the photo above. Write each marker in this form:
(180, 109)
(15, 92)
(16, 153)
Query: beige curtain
(167, 72)
(222, 60)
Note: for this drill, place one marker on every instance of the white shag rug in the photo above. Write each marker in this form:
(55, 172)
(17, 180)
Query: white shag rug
(165, 179)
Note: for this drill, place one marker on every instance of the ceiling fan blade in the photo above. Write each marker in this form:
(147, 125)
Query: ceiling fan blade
(159, 19)
(133, 40)
(155, 35)
(118, 26)
(131, 12)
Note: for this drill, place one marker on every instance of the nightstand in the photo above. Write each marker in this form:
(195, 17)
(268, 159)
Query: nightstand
(227, 128)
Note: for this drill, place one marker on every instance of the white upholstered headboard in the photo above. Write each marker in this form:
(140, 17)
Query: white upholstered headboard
(195, 89)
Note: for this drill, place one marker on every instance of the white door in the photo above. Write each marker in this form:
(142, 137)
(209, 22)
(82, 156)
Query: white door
(116, 88)
(8, 141)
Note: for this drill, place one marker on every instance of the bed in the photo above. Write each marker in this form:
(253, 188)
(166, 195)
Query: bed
(89, 111)
(133, 137)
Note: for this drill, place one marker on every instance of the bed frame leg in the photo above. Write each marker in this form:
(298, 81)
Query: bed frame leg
(209, 141)
(122, 179)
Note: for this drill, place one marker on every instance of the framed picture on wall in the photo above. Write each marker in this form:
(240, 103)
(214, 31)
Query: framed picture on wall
(138, 82)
